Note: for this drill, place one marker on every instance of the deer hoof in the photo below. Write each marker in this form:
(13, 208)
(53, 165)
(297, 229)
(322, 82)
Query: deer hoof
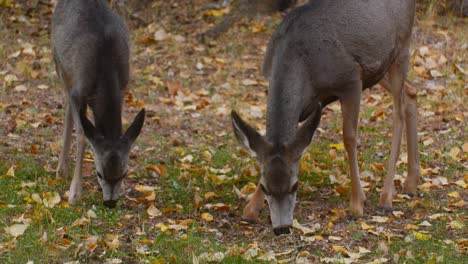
(411, 190)
(62, 173)
(357, 209)
(386, 201)
(250, 215)
(248, 220)
(357, 204)
(75, 195)
(73, 199)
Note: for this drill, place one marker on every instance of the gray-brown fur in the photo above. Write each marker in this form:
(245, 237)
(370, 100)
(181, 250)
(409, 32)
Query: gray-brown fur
(90, 46)
(322, 52)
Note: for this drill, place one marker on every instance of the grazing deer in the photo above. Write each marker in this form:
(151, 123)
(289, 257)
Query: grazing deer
(322, 52)
(91, 52)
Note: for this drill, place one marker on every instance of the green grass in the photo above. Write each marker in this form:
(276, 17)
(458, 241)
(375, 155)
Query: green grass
(174, 247)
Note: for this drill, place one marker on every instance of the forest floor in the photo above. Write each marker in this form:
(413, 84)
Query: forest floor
(189, 178)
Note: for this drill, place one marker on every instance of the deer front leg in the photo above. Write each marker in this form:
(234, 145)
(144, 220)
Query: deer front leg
(254, 206)
(64, 158)
(350, 111)
(76, 185)
(396, 85)
(410, 114)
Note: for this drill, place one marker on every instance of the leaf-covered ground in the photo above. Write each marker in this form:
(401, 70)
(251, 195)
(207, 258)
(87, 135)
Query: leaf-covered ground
(189, 179)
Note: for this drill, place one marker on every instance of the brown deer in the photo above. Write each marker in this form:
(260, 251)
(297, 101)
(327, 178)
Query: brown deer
(91, 53)
(322, 52)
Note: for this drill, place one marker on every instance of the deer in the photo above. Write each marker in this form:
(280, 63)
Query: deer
(90, 47)
(322, 52)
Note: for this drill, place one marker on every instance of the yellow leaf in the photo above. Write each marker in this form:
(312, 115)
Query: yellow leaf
(11, 171)
(337, 146)
(411, 227)
(461, 183)
(209, 195)
(153, 211)
(258, 27)
(465, 147)
(365, 226)
(249, 188)
(454, 194)
(454, 152)
(216, 12)
(207, 217)
(460, 203)
(456, 224)
(144, 188)
(421, 236)
(340, 249)
(162, 226)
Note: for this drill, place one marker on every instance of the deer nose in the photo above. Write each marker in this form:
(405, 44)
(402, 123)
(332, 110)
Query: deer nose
(281, 230)
(110, 203)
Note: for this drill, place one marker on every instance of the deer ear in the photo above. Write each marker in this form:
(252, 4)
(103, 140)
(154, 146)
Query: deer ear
(135, 128)
(249, 138)
(306, 132)
(88, 128)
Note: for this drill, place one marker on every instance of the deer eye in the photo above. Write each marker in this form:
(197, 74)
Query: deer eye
(264, 189)
(99, 175)
(295, 187)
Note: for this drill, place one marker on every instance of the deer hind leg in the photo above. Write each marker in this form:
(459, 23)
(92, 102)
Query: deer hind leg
(64, 158)
(254, 206)
(394, 83)
(350, 104)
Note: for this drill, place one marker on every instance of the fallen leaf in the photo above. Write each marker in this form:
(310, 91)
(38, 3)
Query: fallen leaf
(337, 146)
(379, 219)
(454, 152)
(365, 226)
(334, 238)
(207, 217)
(340, 249)
(11, 171)
(465, 147)
(209, 195)
(144, 188)
(411, 227)
(51, 199)
(83, 221)
(421, 236)
(454, 194)
(114, 243)
(456, 224)
(16, 230)
(305, 230)
(460, 204)
(91, 214)
(424, 223)
(153, 211)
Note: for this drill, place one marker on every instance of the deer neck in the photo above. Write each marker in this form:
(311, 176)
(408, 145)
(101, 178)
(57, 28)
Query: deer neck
(284, 105)
(107, 108)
